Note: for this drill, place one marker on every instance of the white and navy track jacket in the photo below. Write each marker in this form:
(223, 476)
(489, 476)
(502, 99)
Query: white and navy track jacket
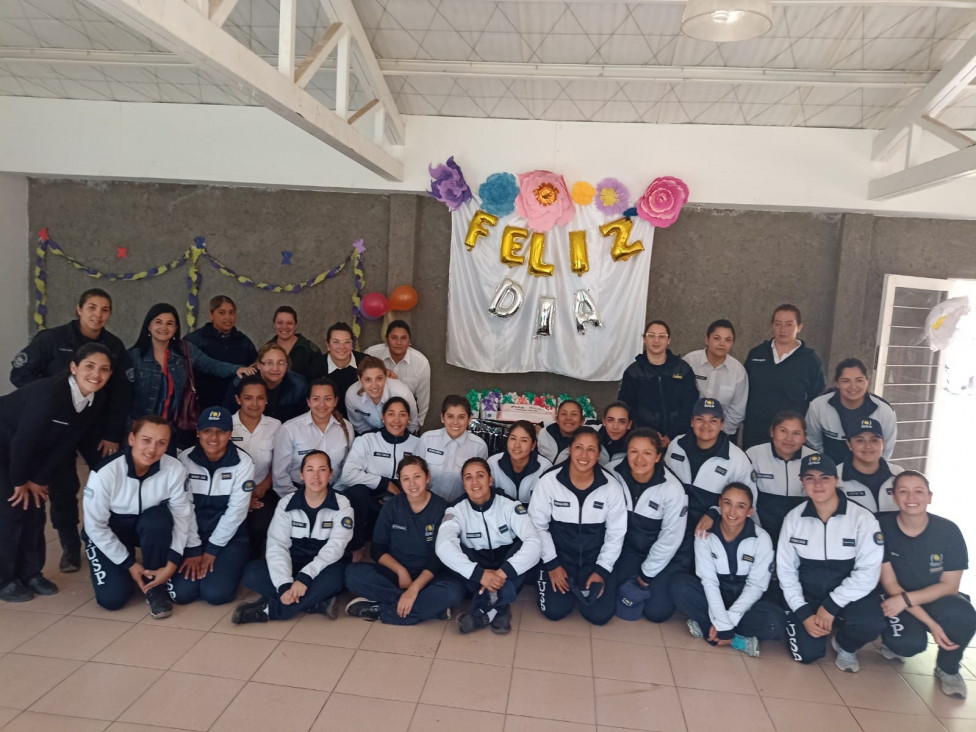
(552, 445)
(299, 436)
(445, 457)
(115, 490)
(729, 464)
(874, 492)
(831, 564)
(258, 444)
(579, 528)
(373, 459)
(367, 417)
(827, 432)
(519, 486)
(611, 450)
(657, 515)
(221, 494)
(734, 575)
(496, 535)
(778, 482)
(307, 539)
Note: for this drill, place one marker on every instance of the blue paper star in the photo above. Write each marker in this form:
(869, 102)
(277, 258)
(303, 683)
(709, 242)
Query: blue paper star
(286, 257)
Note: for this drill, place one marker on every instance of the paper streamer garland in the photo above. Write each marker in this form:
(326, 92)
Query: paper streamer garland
(192, 256)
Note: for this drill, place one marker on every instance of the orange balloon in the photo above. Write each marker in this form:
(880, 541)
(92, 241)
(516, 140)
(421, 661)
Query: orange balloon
(403, 298)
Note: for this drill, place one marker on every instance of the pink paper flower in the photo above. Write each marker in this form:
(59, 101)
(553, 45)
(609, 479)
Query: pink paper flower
(612, 197)
(544, 200)
(662, 201)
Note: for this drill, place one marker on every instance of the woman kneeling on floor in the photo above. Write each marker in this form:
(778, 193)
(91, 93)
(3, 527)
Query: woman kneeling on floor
(309, 532)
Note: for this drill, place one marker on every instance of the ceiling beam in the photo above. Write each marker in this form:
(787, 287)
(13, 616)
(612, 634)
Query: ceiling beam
(954, 77)
(960, 164)
(318, 54)
(177, 26)
(957, 4)
(946, 133)
(220, 10)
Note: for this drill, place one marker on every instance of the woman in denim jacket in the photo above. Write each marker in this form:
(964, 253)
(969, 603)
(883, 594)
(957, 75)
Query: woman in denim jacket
(160, 369)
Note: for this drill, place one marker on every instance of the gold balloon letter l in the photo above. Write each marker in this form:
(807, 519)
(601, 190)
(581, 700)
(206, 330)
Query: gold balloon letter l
(537, 249)
(476, 228)
(622, 248)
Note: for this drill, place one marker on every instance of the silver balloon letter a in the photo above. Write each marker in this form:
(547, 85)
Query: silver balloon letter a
(507, 300)
(584, 309)
(547, 309)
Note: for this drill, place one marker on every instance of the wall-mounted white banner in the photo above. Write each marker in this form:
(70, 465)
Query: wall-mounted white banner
(569, 301)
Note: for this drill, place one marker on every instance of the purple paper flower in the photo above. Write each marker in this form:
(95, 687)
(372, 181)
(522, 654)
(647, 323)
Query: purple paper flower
(612, 197)
(498, 194)
(447, 184)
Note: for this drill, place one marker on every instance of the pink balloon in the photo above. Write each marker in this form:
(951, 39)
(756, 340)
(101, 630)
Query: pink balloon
(375, 305)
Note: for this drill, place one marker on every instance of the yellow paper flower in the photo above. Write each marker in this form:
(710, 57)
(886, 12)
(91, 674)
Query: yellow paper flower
(583, 193)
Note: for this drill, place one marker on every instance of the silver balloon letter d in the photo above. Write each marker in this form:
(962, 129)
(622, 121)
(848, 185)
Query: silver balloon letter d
(507, 300)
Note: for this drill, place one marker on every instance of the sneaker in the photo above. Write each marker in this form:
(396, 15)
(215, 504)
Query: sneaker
(748, 644)
(41, 585)
(846, 661)
(364, 608)
(15, 591)
(328, 608)
(468, 623)
(695, 629)
(160, 603)
(251, 612)
(502, 624)
(952, 684)
(890, 654)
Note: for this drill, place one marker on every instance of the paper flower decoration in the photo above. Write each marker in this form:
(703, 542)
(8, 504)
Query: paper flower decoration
(543, 200)
(447, 184)
(498, 194)
(583, 193)
(612, 197)
(662, 201)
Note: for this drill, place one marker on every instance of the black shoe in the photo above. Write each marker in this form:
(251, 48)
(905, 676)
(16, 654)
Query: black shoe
(468, 622)
(15, 591)
(250, 612)
(502, 624)
(328, 608)
(363, 608)
(160, 603)
(41, 585)
(70, 551)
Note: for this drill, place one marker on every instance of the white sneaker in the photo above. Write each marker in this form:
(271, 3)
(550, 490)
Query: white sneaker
(695, 629)
(890, 654)
(952, 684)
(846, 661)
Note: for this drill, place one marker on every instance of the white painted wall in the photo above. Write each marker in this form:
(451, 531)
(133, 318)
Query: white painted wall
(728, 166)
(14, 235)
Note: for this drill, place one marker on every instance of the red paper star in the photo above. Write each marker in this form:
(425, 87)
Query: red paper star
(122, 252)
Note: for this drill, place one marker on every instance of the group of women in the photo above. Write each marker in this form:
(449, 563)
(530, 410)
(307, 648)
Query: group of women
(285, 494)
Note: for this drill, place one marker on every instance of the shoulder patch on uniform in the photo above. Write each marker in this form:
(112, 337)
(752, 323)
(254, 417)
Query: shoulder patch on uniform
(248, 486)
(753, 475)
(879, 538)
(520, 509)
(346, 522)
(20, 360)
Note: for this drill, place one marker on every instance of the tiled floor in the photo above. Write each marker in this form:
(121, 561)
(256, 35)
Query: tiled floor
(66, 665)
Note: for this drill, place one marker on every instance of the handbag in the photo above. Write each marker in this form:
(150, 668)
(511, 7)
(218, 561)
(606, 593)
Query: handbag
(189, 413)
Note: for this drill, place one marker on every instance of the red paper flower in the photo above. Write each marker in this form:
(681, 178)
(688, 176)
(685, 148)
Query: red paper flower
(662, 201)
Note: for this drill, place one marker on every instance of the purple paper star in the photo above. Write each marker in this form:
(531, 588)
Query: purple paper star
(359, 246)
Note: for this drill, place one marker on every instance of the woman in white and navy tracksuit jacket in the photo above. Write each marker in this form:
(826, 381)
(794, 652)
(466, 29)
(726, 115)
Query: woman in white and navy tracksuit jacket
(487, 531)
(306, 545)
(657, 512)
(776, 470)
(732, 576)
(865, 476)
(221, 491)
(406, 563)
(834, 564)
(832, 418)
(581, 516)
(369, 474)
(613, 432)
(516, 471)
(138, 498)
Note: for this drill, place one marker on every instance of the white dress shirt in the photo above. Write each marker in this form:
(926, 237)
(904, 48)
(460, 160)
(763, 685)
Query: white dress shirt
(413, 370)
(445, 457)
(299, 436)
(258, 444)
(366, 416)
(728, 383)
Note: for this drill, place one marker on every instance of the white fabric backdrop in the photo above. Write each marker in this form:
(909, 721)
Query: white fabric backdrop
(479, 341)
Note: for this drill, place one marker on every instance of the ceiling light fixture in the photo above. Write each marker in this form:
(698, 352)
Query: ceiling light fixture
(726, 20)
